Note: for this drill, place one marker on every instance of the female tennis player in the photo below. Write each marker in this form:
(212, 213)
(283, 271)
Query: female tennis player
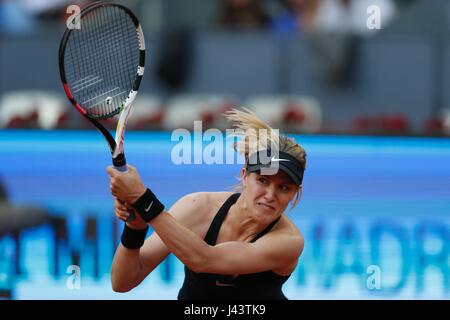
(233, 245)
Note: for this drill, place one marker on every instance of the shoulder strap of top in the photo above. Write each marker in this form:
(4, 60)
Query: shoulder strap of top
(266, 230)
(213, 231)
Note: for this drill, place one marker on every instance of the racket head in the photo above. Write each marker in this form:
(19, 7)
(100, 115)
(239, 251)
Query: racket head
(102, 63)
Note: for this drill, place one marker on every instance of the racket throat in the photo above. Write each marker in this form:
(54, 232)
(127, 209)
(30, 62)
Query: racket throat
(120, 132)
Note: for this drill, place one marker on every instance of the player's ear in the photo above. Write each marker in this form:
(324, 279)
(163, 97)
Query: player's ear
(244, 175)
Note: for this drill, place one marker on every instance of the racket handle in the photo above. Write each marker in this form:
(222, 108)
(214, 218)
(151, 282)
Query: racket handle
(120, 164)
(121, 169)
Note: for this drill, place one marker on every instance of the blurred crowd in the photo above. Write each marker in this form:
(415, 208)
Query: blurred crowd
(330, 30)
(280, 16)
(305, 16)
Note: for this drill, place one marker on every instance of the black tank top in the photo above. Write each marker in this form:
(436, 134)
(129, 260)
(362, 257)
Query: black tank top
(206, 286)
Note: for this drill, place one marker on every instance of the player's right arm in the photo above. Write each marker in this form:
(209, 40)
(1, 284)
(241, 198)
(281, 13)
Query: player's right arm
(131, 266)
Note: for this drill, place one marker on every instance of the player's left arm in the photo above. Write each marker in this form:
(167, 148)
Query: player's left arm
(275, 250)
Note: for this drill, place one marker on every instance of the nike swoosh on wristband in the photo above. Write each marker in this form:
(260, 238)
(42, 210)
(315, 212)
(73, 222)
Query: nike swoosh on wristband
(148, 208)
(277, 160)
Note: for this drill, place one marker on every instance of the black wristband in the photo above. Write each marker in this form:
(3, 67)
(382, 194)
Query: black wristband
(133, 239)
(148, 206)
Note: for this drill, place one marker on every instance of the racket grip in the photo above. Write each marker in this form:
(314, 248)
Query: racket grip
(121, 169)
(120, 164)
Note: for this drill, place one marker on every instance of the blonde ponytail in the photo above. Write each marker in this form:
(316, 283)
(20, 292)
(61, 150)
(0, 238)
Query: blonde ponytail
(256, 134)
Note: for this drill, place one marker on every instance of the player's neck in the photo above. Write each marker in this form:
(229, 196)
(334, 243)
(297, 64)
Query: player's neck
(241, 220)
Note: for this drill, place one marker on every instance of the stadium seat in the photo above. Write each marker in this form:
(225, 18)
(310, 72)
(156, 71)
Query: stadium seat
(396, 124)
(290, 113)
(40, 109)
(18, 109)
(52, 109)
(363, 124)
(446, 121)
(438, 125)
(434, 126)
(382, 124)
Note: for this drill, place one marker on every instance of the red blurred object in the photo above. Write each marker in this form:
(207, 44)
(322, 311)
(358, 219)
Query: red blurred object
(23, 121)
(434, 125)
(393, 124)
(363, 124)
(294, 114)
(207, 118)
(63, 120)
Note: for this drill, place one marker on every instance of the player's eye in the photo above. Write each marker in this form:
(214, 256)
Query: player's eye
(262, 180)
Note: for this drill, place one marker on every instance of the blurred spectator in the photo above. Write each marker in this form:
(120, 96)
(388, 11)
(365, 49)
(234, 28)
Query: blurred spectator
(13, 17)
(331, 28)
(336, 16)
(21, 16)
(352, 15)
(299, 16)
(337, 26)
(175, 59)
(243, 14)
(3, 194)
(14, 219)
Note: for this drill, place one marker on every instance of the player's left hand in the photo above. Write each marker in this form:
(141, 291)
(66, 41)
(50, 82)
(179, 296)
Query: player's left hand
(126, 186)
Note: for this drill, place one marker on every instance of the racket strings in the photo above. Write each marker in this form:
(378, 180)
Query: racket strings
(101, 61)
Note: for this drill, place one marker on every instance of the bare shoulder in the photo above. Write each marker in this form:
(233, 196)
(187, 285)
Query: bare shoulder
(194, 200)
(196, 210)
(192, 204)
(200, 201)
(287, 227)
(292, 239)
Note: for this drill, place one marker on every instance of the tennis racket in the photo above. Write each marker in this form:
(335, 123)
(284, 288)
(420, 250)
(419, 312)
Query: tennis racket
(101, 66)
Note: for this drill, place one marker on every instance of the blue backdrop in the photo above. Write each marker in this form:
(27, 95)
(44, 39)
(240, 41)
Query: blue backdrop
(375, 213)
